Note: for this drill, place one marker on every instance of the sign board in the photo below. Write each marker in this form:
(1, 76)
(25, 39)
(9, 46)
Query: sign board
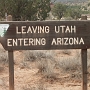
(45, 35)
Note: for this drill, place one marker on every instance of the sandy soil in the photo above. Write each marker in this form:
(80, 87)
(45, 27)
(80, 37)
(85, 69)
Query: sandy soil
(30, 79)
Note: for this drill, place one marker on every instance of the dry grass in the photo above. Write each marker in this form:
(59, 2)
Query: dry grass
(3, 56)
(35, 87)
(47, 60)
(69, 63)
(37, 54)
(44, 60)
(46, 63)
(3, 59)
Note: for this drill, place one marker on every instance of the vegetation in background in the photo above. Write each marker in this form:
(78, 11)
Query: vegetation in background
(25, 9)
(74, 11)
(59, 10)
(39, 9)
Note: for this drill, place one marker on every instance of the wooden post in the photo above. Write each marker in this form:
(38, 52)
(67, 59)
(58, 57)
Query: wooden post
(84, 63)
(84, 68)
(11, 63)
(84, 17)
(9, 18)
(11, 70)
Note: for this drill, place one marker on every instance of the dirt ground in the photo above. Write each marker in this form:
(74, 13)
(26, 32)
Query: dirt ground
(30, 79)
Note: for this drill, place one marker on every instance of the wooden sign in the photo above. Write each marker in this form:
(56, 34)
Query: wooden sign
(47, 35)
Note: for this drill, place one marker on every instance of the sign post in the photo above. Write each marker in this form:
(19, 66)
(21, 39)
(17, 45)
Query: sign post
(84, 63)
(84, 68)
(11, 70)
(47, 35)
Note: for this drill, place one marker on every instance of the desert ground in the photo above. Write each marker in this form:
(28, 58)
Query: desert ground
(43, 70)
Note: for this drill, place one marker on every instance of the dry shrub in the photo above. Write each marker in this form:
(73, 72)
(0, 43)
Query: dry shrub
(36, 55)
(3, 57)
(29, 55)
(46, 63)
(68, 52)
(70, 62)
(44, 60)
(73, 62)
(35, 87)
(46, 67)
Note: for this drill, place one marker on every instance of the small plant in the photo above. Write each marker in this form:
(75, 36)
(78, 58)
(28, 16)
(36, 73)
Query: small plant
(35, 87)
(29, 55)
(68, 52)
